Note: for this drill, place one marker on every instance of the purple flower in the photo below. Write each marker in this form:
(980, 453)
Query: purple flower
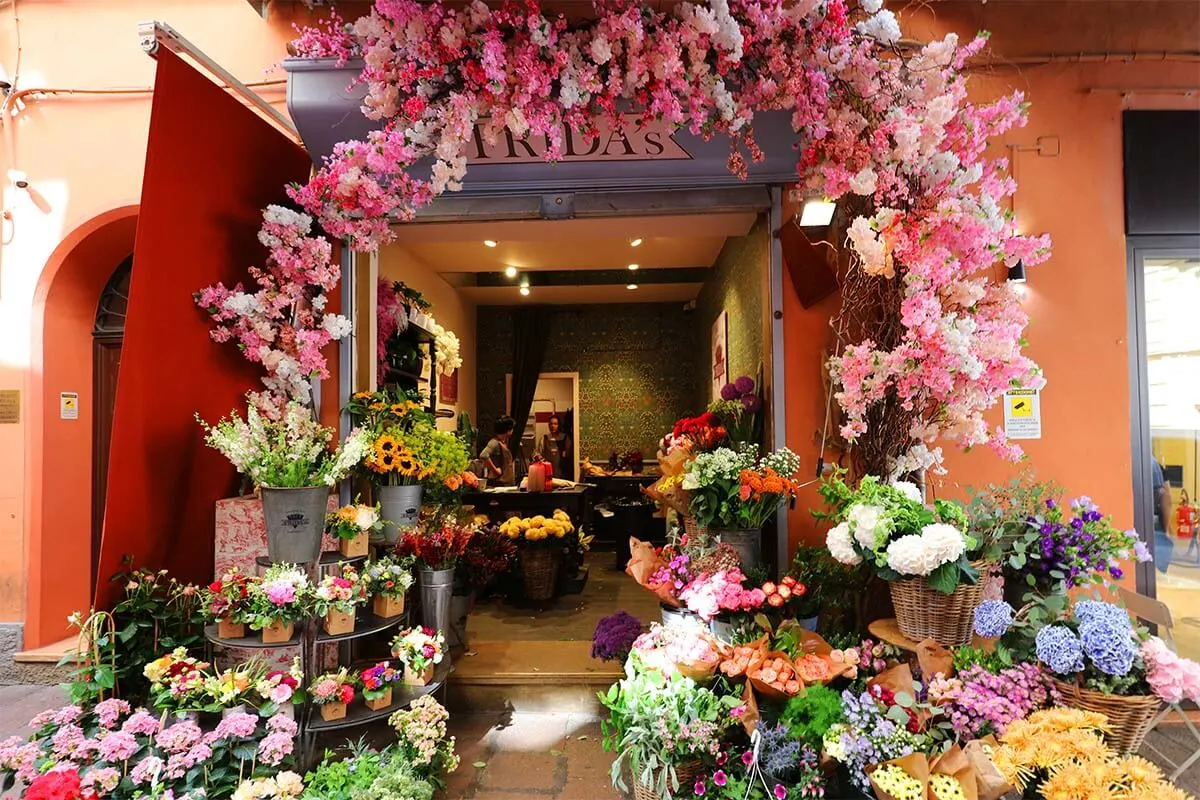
(751, 403)
(614, 636)
(1059, 649)
(1110, 647)
(729, 392)
(1089, 611)
(1141, 551)
(748, 757)
(780, 791)
(720, 778)
(744, 385)
(992, 618)
(699, 788)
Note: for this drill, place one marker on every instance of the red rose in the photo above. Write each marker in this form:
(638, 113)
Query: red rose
(347, 693)
(215, 586)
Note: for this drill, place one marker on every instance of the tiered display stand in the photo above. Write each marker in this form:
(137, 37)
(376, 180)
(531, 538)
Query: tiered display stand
(310, 639)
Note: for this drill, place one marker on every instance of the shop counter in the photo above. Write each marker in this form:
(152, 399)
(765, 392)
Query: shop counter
(499, 504)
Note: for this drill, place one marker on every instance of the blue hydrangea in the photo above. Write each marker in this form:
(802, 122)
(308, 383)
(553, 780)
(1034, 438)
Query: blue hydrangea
(1059, 649)
(1109, 645)
(992, 618)
(1088, 611)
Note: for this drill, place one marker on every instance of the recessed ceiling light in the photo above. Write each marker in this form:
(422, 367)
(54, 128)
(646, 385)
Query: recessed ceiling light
(510, 272)
(524, 291)
(490, 242)
(635, 242)
(633, 267)
(631, 286)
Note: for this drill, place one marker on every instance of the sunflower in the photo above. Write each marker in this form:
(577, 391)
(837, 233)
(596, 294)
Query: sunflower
(387, 443)
(406, 464)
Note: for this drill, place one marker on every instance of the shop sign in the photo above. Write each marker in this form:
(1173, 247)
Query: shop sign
(653, 142)
(10, 406)
(1023, 414)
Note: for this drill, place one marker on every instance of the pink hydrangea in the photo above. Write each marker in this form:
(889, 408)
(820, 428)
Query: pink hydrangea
(1171, 678)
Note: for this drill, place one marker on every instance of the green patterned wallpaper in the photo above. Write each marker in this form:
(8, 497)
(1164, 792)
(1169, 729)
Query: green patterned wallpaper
(635, 371)
(737, 287)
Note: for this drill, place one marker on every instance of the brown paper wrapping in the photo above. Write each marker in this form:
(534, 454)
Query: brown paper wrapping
(915, 765)
(989, 782)
(767, 690)
(643, 563)
(729, 667)
(954, 762)
(674, 496)
(933, 659)
(751, 716)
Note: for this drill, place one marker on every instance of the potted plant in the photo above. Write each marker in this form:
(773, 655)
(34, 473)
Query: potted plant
(289, 460)
(225, 601)
(377, 685)
(276, 602)
(540, 550)
(332, 691)
(388, 580)
(234, 689)
(177, 683)
(337, 598)
(352, 526)
(420, 650)
(662, 726)
(734, 493)
(832, 587)
(931, 564)
(437, 545)
(281, 690)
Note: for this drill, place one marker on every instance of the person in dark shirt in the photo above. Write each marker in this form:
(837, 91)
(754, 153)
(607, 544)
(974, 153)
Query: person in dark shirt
(1163, 546)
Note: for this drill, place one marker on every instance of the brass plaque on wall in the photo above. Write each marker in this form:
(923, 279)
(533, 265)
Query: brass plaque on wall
(10, 406)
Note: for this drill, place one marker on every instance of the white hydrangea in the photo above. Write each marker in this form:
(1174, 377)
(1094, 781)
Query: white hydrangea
(907, 555)
(865, 520)
(841, 546)
(945, 543)
(909, 490)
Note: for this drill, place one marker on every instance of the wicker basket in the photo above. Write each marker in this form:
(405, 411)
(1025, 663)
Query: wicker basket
(924, 613)
(1130, 718)
(686, 773)
(539, 570)
(694, 532)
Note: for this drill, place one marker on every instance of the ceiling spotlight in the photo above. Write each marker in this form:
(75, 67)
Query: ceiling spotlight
(817, 213)
(490, 242)
(635, 242)
(1016, 273)
(18, 178)
(633, 267)
(510, 272)
(631, 286)
(525, 291)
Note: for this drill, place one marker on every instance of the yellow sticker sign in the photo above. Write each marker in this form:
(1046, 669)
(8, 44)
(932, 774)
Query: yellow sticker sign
(1023, 414)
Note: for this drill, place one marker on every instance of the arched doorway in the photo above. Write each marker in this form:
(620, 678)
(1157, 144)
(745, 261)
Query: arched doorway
(62, 507)
(107, 335)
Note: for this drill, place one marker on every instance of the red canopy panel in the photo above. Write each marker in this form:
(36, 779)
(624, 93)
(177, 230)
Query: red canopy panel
(212, 165)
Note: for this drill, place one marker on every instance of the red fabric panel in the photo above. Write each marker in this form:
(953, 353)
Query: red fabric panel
(212, 165)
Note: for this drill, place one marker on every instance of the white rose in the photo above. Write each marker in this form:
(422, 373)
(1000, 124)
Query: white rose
(864, 520)
(906, 555)
(365, 517)
(840, 545)
(909, 490)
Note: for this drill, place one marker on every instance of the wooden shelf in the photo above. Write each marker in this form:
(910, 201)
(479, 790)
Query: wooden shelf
(366, 625)
(358, 713)
(251, 642)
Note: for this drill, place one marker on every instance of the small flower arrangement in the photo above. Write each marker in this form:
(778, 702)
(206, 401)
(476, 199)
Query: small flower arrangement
(538, 528)
(889, 527)
(978, 702)
(417, 454)
(687, 649)
(234, 686)
(712, 593)
(283, 596)
(437, 542)
(420, 650)
(352, 526)
(377, 684)
(282, 687)
(226, 601)
(489, 554)
(695, 434)
(447, 350)
(1059, 551)
(177, 681)
(332, 688)
(735, 489)
(388, 577)
(292, 451)
(738, 407)
(614, 636)
(343, 593)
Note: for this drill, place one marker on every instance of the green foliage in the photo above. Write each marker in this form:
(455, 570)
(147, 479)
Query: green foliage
(830, 585)
(998, 660)
(997, 514)
(156, 615)
(397, 781)
(810, 715)
(468, 434)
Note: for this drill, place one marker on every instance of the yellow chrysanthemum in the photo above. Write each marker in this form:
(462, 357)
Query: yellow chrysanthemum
(1138, 772)
(1076, 780)
(537, 521)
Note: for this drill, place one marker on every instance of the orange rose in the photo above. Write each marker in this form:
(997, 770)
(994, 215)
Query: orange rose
(453, 482)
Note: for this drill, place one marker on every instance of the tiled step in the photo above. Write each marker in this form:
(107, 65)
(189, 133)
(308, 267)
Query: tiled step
(533, 677)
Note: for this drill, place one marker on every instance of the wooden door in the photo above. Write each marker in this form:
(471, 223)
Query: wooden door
(106, 361)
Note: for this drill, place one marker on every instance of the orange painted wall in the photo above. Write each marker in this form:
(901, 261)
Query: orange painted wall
(83, 156)
(1076, 301)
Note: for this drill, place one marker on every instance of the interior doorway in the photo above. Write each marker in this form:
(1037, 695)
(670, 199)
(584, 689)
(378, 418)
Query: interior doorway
(108, 333)
(555, 402)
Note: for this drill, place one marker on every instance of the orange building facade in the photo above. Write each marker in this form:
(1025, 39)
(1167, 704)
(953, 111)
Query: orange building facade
(81, 149)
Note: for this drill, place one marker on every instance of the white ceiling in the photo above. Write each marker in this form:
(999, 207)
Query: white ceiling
(455, 250)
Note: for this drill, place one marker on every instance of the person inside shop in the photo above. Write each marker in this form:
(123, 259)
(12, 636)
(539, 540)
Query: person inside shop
(497, 458)
(556, 448)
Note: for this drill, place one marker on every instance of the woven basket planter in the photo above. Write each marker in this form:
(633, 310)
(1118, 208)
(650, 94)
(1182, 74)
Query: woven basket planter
(1130, 718)
(924, 613)
(693, 530)
(539, 571)
(686, 773)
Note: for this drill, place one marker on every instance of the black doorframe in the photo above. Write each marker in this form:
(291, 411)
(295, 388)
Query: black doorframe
(1138, 250)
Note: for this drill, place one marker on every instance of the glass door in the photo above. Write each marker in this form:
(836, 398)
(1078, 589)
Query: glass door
(1166, 283)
